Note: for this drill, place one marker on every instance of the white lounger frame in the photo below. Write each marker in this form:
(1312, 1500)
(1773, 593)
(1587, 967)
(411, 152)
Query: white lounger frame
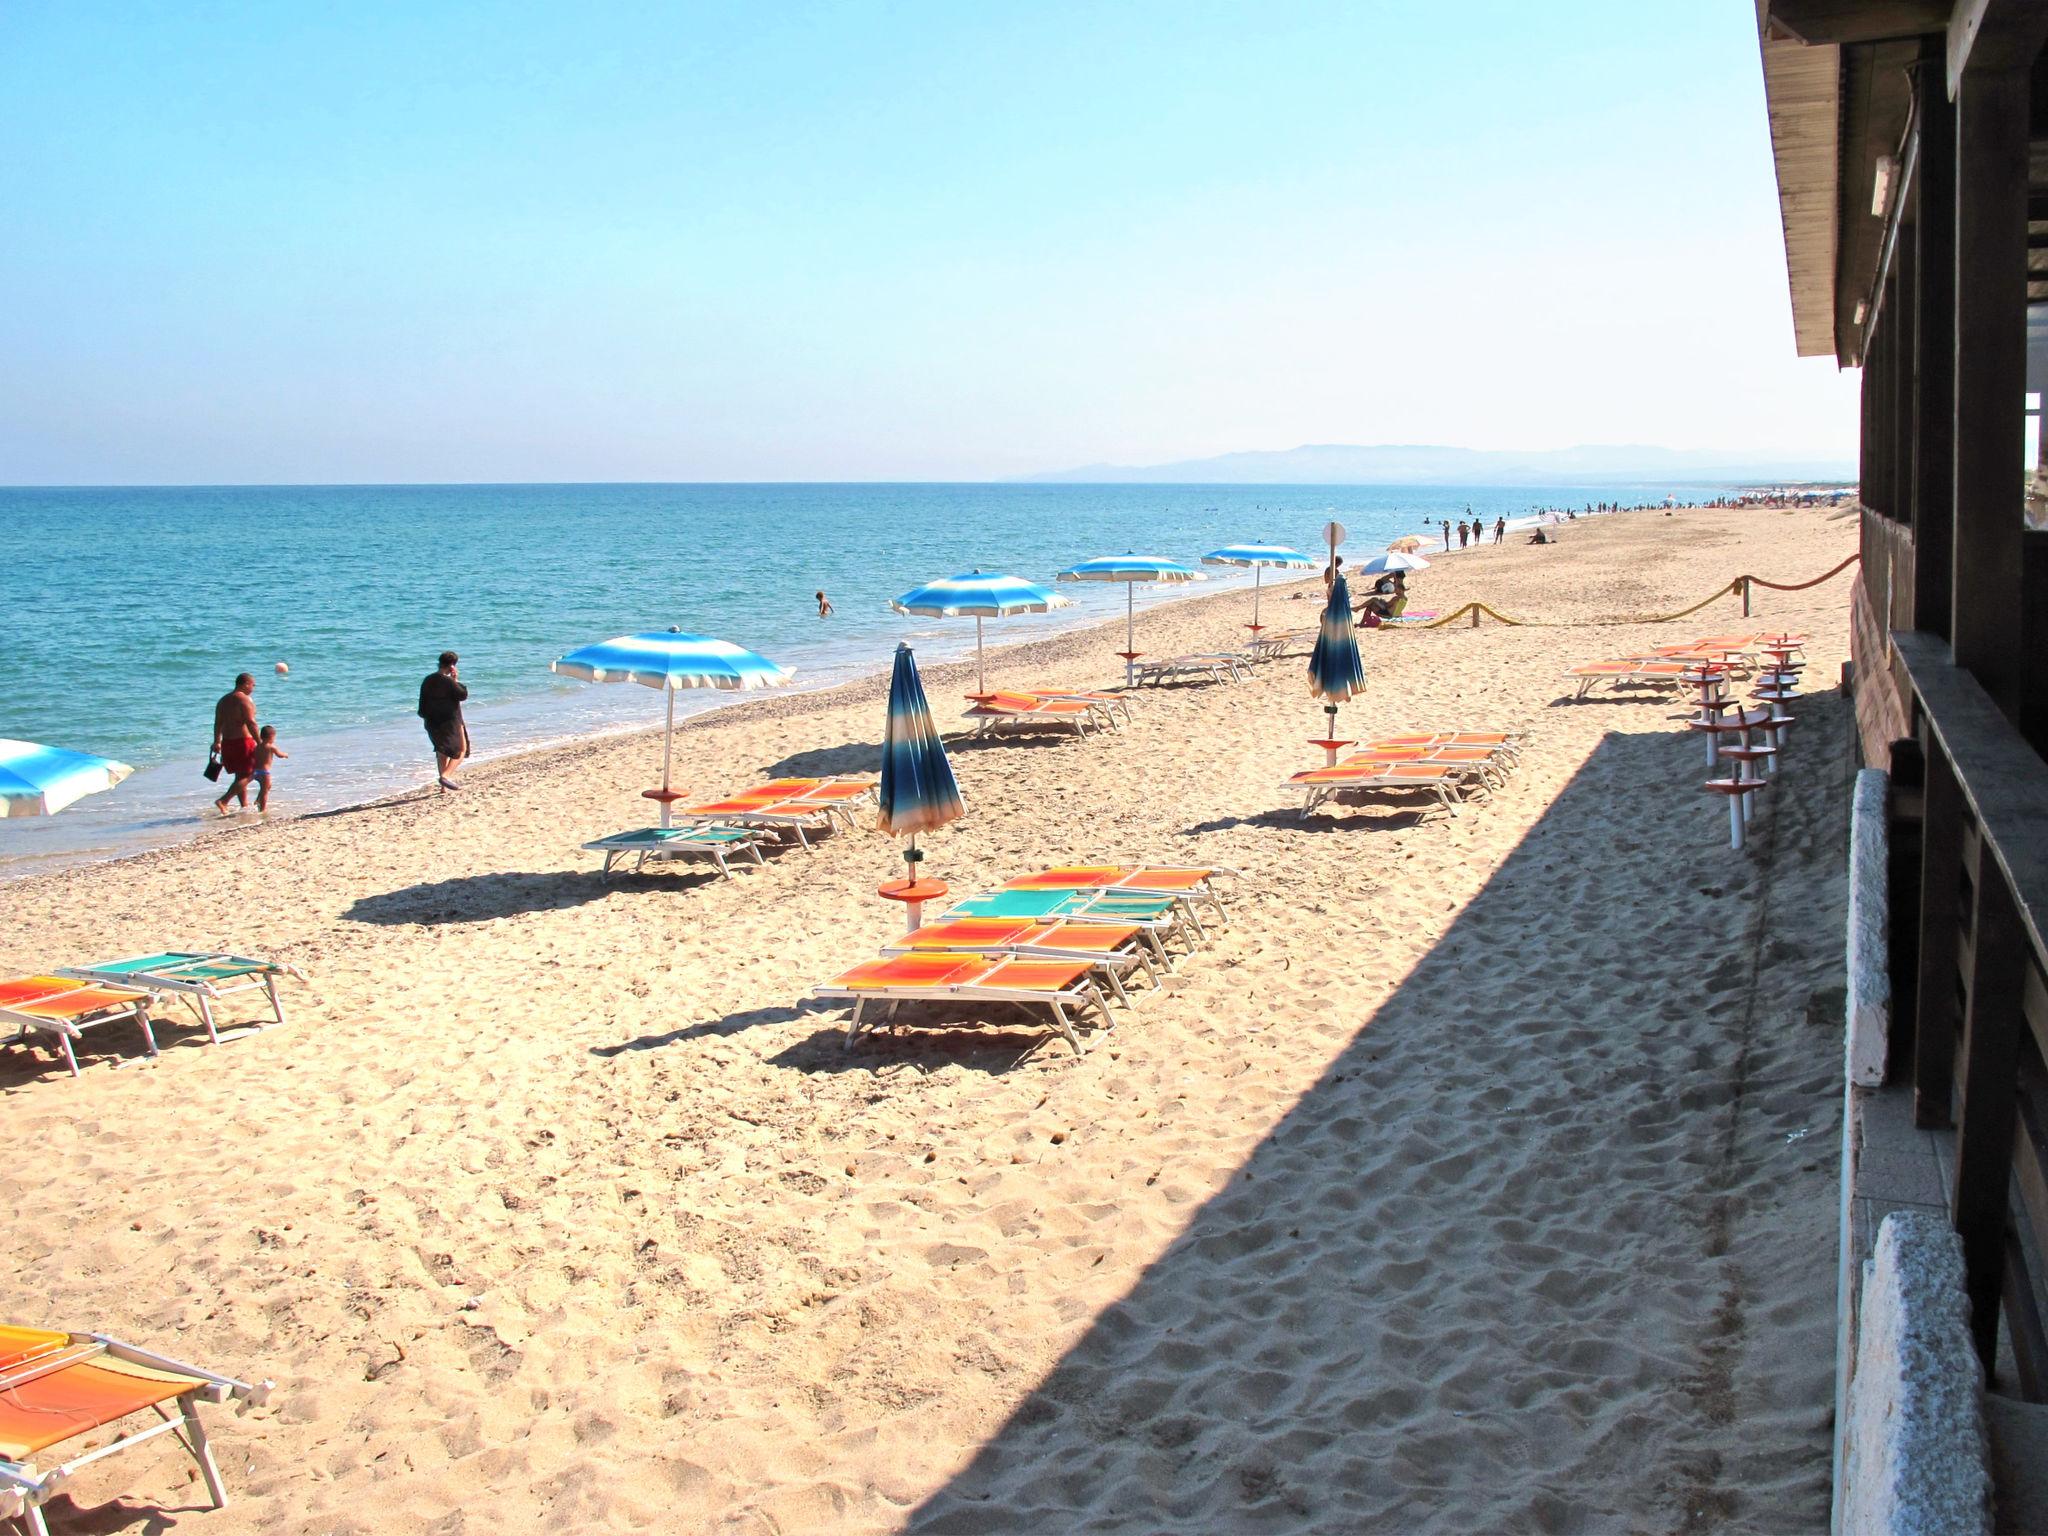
(199, 994)
(67, 1030)
(717, 852)
(1450, 791)
(23, 1490)
(1065, 1005)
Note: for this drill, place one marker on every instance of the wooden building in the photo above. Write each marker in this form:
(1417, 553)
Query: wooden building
(1911, 141)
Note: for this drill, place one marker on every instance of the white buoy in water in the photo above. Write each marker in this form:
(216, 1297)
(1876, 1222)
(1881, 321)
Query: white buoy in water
(282, 669)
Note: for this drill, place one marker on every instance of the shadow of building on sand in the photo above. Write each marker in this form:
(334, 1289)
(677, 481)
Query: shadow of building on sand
(1535, 1252)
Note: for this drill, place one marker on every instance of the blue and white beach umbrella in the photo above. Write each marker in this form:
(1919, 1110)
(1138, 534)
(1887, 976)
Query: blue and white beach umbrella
(980, 596)
(40, 781)
(1335, 672)
(1258, 557)
(1392, 560)
(671, 660)
(918, 792)
(1130, 570)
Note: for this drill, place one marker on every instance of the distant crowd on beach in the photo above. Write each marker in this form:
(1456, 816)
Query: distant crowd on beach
(1787, 497)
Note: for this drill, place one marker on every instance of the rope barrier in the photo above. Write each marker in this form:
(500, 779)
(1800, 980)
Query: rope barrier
(1735, 587)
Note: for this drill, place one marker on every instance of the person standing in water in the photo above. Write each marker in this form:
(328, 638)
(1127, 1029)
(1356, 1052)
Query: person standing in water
(267, 752)
(441, 696)
(824, 606)
(234, 739)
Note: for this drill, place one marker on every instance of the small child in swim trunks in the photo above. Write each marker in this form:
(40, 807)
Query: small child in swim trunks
(266, 752)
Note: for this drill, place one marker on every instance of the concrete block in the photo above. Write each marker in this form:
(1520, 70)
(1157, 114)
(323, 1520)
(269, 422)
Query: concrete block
(1918, 1462)
(1870, 985)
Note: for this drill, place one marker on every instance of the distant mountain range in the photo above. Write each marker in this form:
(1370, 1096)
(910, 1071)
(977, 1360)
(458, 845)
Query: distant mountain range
(1424, 464)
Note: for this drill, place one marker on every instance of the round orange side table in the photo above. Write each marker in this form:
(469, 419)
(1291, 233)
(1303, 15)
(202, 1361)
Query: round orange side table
(913, 894)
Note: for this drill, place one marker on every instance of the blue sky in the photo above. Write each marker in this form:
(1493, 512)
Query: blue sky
(300, 242)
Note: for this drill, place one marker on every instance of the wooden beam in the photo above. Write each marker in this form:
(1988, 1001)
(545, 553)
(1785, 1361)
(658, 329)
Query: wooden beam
(1991, 116)
(1994, 37)
(1984, 1123)
(1941, 877)
(1934, 349)
(1857, 21)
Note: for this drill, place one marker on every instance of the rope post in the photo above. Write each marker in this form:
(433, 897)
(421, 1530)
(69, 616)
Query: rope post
(1744, 582)
(1475, 615)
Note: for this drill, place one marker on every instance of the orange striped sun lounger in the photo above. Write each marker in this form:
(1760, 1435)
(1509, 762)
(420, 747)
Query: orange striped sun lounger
(1109, 703)
(1506, 745)
(1115, 949)
(992, 711)
(1484, 761)
(802, 806)
(1063, 987)
(1449, 783)
(57, 1386)
(65, 1007)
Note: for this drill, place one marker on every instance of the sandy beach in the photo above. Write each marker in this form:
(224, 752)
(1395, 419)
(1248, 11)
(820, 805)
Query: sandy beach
(1476, 1177)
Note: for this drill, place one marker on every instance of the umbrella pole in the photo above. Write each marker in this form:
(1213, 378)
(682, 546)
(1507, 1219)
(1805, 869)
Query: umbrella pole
(1330, 736)
(980, 677)
(1130, 644)
(668, 742)
(1258, 577)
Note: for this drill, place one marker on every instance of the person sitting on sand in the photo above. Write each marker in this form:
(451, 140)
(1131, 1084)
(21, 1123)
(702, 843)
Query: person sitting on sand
(1539, 536)
(1330, 574)
(234, 739)
(267, 752)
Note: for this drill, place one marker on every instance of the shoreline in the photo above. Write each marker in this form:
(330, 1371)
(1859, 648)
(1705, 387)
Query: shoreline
(1235, 585)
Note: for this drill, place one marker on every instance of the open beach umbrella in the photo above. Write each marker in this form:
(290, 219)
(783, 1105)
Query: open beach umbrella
(1258, 557)
(983, 597)
(40, 781)
(1393, 560)
(1335, 672)
(671, 660)
(917, 792)
(1130, 570)
(1407, 544)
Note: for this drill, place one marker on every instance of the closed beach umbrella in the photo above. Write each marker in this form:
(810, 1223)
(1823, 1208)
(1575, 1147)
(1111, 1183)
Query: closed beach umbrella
(1392, 560)
(980, 596)
(40, 781)
(917, 791)
(1130, 570)
(1258, 557)
(671, 660)
(1335, 672)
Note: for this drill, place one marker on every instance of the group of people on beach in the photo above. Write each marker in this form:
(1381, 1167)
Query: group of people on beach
(1473, 532)
(245, 751)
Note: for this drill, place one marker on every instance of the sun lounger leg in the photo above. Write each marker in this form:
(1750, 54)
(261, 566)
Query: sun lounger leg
(206, 1018)
(148, 1034)
(276, 1006)
(33, 1518)
(1065, 1026)
(1117, 985)
(853, 1024)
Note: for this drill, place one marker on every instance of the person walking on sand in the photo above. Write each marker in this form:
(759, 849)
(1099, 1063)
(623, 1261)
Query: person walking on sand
(1464, 533)
(267, 752)
(1447, 535)
(234, 739)
(824, 606)
(1500, 529)
(441, 696)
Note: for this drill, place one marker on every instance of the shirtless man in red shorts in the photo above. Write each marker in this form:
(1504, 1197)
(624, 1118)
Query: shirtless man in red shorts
(234, 739)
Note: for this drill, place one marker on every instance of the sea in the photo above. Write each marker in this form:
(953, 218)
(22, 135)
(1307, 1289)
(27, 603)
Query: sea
(125, 613)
